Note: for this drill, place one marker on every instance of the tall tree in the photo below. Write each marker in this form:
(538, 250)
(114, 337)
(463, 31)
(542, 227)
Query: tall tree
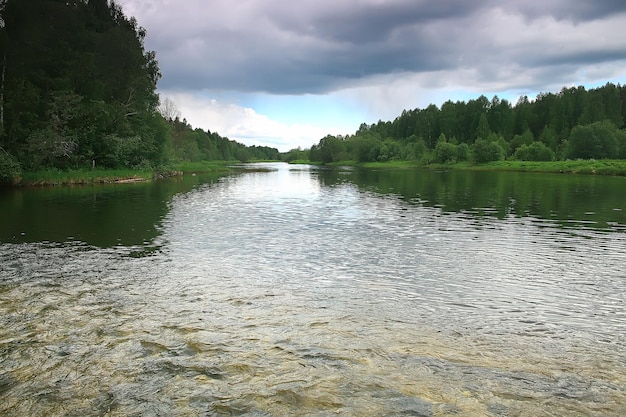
(78, 84)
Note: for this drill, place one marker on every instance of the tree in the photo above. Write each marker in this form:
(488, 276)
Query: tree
(483, 131)
(486, 151)
(74, 75)
(597, 140)
(518, 140)
(448, 118)
(168, 110)
(9, 168)
(445, 152)
(3, 60)
(331, 149)
(537, 151)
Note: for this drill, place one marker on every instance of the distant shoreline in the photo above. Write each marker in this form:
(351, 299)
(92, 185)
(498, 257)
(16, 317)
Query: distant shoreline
(611, 167)
(104, 176)
(109, 176)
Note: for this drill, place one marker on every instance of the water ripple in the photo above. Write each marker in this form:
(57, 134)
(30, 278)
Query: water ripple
(272, 295)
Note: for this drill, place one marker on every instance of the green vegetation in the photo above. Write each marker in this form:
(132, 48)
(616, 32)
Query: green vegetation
(186, 144)
(78, 92)
(603, 167)
(57, 177)
(204, 166)
(551, 133)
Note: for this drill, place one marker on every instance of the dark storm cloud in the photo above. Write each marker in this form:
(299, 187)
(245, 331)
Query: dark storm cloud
(362, 24)
(578, 11)
(319, 46)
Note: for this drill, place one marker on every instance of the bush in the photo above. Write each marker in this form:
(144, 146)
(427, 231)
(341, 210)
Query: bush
(10, 169)
(537, 151)
(598, 140)
(486, 151)
(445, 153)
(463, 152)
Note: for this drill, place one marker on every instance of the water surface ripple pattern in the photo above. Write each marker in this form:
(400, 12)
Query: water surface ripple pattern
(278, 293)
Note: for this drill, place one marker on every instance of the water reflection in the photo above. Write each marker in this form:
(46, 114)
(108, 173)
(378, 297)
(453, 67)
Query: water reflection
(99, 215)
(296, 291)
(568, 200)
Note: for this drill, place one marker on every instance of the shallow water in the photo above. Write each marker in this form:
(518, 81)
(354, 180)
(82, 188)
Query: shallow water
(302, 291)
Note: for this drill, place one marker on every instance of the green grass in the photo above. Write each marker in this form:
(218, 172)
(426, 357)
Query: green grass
(391, 164)
(372, 165)
(598, 167)
(204, 166)
(58, 177)
(104, 176)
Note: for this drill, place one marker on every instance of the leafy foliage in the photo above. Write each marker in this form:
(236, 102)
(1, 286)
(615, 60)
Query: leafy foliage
(446, 152)
(574, 123)
(597, 140)
(76, 73)
(536, 151)
(77, 88)
(9, 167)
(487, 151)
(188, 144)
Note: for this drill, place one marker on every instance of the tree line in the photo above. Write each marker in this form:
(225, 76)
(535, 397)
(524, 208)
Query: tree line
(78, 88)
(188, 144)
(575, 123)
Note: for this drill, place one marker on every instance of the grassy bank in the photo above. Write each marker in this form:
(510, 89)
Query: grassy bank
(75, 177)
(594, 167)
(374, 165)
(204, 166)
(104, 176)
(110, 176)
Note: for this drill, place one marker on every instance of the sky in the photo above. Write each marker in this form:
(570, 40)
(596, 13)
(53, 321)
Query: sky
(285, 73)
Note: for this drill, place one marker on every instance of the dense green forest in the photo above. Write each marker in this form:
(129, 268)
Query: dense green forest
(573, 124)
(78, 88)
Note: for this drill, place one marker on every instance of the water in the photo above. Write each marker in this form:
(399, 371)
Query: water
(301, 291)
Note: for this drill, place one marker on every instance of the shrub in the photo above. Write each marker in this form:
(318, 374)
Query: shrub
(10, 169)
(445, 152)
(597, 140)
(463, 152)
(486, 151)
(537, 151)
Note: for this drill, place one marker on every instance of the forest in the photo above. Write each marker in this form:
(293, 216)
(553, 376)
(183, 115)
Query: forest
(78, 90)
(574, 123)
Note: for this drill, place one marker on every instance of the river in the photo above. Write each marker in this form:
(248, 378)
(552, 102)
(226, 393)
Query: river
(294, 290)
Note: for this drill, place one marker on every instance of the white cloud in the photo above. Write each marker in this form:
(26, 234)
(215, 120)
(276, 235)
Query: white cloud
(374, 58)
(319, 46)
(245, 125)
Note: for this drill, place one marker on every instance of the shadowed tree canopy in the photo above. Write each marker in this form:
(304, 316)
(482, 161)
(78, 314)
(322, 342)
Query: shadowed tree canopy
(77, 88)
(574, 123)
(77, 85)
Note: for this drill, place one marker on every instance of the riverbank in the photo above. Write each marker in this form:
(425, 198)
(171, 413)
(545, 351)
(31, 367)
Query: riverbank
(587, 167)
(114, 176)
(110, 176)
(80, 177)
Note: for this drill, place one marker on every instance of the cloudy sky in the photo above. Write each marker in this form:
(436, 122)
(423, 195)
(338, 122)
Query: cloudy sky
(284, 73)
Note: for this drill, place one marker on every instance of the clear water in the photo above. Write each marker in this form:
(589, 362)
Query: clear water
(299, 291)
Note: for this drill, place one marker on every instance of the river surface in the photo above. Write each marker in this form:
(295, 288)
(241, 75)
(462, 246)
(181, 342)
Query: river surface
(292, 290)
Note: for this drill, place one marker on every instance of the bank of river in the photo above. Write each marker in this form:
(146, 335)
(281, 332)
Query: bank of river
(593, 167)
(297, 290)
(113, 176)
